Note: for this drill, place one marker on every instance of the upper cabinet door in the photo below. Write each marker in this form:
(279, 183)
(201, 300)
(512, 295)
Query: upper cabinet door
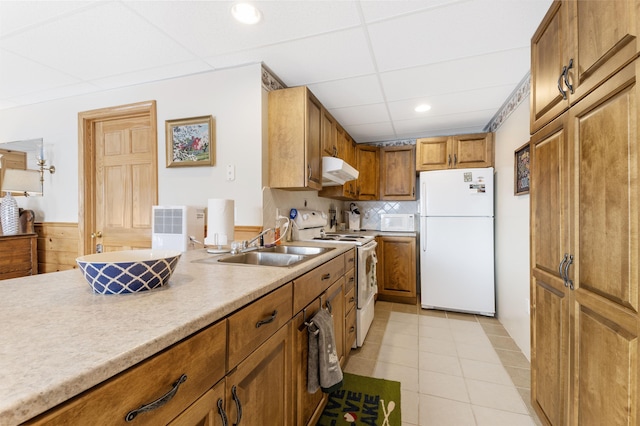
(295, 129)
(398, 173)
(329, 135)
(579, 45)
(433, 153)
(549, 59)
(605, 40)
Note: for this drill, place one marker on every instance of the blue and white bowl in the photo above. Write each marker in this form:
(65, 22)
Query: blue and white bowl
(128, 271)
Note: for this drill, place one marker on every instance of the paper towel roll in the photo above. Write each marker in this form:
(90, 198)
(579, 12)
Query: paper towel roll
(220, 222)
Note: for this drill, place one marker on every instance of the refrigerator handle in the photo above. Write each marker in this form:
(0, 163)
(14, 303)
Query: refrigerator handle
(423, 237)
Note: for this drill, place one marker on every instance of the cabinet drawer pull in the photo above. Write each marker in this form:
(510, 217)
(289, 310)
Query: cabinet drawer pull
(158, 402)
(562, 92)
(352, 299)
(234, 393)
(268, 320)
(326, 277)
(561, 269)
(223, 415)
(351, 259)
(566, 76)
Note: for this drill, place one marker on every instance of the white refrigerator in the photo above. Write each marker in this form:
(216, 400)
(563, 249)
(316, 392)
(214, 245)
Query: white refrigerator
(456, 240)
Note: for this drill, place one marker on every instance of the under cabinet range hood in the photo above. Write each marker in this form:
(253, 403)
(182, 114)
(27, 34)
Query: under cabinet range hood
(336, 171)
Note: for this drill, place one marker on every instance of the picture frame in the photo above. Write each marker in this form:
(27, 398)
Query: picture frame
(190, 141)
(522, 171)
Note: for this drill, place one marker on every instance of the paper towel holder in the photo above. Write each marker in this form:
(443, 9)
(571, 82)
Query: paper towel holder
(220, 225)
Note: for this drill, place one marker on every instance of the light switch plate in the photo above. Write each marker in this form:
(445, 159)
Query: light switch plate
(231, 172)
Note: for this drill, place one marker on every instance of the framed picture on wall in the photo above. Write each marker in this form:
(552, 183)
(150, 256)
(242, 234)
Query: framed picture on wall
(522, 169)
(190, 141)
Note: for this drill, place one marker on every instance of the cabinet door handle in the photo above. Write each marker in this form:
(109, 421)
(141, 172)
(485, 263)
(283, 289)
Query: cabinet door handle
(561, 269)
(268, 320)
(562, 92)
(449, 161)
(234, 393)
(352, 329)
(352, 299)
(309, 169)
(223, 415)
(158, 402)
(325, 277)
(328, 304)
(568, 282)
(455, 160)
(566, 76)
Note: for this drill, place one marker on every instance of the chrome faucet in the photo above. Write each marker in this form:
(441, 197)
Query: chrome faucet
(249, 245)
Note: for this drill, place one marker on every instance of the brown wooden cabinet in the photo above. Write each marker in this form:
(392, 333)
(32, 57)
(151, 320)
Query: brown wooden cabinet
(578, 45)
(329, 135)
(396, 269)
(18, 255)
(367, 184)
(295, 131)
(201, 358)
(398, 173)
(585, 205)
(455, 152)
(260, 387)
(208, 410)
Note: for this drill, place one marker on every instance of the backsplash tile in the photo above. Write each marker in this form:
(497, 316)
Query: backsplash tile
(370, 211)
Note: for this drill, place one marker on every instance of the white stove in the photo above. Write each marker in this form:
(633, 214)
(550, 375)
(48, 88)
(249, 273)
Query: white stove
(355, 239)
(309, 226)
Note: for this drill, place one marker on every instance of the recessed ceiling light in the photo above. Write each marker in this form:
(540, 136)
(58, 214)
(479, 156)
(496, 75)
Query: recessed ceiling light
(422, 108)
(246, 13)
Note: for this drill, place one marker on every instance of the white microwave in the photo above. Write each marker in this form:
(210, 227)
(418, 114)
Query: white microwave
(397, 222)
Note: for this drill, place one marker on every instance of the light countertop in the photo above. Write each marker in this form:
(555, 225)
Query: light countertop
(59, 339)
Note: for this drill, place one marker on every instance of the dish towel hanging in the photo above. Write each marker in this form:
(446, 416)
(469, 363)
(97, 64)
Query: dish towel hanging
(323, 365)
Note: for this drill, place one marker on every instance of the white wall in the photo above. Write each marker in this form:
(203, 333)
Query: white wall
(233, 97)
(512, 232)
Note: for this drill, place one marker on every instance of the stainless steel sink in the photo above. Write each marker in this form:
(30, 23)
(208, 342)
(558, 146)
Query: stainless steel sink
(281, 256)
(264, 258)
(304, 251)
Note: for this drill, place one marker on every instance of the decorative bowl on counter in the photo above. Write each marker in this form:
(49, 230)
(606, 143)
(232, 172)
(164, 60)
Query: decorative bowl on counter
(128, 271)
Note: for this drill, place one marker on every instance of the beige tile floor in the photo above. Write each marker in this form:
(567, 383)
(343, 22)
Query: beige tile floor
(454, 369)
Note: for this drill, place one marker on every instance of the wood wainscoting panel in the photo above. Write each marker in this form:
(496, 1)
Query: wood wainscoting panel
(58, 244)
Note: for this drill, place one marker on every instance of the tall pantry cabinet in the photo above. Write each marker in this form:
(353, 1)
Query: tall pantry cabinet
(585, 214)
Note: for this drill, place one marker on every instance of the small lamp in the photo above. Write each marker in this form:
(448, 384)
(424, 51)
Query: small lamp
(21, 181)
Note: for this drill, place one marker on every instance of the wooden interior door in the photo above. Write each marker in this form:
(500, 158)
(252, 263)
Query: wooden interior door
(550, 298)
(604, 133)
(118, 177)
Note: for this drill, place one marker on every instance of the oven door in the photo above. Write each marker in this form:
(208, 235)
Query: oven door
(367, 280)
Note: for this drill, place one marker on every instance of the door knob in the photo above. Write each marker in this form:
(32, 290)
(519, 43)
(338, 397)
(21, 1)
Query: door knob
(96, 234)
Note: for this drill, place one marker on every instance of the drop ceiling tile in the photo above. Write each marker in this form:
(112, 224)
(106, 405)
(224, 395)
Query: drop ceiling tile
(470, 122)
(494, 69)
(154, 74)
(380, 10)
(360, 114)
(327, 57)
(375, 132)
(59, 92)
(475, 100)
(18, 15)
(208, 28)
(360, 90)
(98, 42)
(19, 76)
(455, 31)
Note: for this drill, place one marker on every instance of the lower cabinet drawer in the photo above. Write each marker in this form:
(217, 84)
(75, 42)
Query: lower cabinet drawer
(310, 285)
(350, 299)
(254, 324)
(200, 358)
(350, 329)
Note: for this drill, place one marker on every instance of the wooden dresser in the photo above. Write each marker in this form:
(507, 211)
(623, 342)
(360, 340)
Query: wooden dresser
(18, 255)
